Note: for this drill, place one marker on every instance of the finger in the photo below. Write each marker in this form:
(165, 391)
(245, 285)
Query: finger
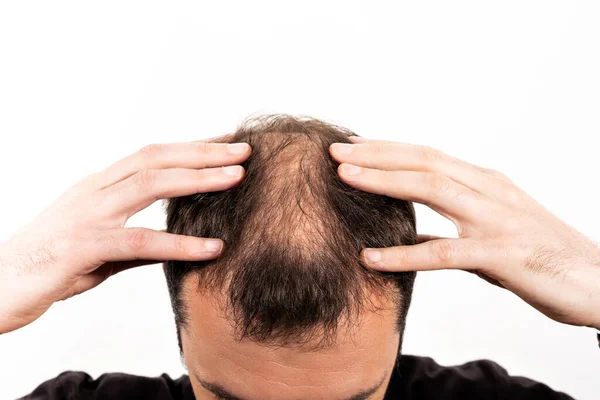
(437, 191)
(494, 173)
(146, 187)
(130, 244)
(193, 155)
(465, 254)
(388, 155)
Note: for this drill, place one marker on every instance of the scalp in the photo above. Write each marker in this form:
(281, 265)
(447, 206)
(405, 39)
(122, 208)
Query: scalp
(293, 232)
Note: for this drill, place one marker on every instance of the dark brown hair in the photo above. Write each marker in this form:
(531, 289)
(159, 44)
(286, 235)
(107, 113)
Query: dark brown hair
(293, 232)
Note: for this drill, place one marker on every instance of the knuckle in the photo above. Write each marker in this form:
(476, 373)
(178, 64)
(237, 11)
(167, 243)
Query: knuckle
(512, 195)
(443, 251)
(204, 147)
(152, 150)
(139, 238)
(430, 154)
(145, 177)
(180, 245)
(436, 182)
(496, 173)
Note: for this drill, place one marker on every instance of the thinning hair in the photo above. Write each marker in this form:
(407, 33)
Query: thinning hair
(293, 231)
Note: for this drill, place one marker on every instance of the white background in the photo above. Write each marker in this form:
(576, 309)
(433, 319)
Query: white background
(512, 85)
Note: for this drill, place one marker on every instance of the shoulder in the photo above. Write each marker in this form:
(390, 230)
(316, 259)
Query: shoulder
(81, 386)
(421, 377)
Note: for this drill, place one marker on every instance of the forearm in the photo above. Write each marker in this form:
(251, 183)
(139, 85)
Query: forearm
(5, 292)
(25, 292)
(16, 291)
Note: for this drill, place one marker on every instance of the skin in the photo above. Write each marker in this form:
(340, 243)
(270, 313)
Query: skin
(80, 240)
(505, 237)
(359, 362)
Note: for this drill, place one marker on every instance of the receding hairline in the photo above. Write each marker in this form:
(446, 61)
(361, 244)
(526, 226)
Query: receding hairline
(287, 135)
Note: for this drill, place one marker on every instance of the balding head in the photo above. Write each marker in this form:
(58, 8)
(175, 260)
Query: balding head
(290, 273)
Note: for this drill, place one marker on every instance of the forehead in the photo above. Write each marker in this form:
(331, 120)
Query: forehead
(361, 355)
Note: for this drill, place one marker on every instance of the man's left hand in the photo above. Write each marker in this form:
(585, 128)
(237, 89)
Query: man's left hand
(504, 235)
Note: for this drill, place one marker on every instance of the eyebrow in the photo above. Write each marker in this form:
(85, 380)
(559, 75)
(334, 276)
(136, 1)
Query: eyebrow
(225, 394)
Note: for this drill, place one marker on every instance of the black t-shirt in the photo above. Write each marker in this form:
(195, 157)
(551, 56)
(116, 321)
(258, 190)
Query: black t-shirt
(415, 378)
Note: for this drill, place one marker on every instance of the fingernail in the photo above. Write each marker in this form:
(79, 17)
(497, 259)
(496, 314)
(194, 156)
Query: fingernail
(358, 139)
(350, 169)
(372, 255)
(213, 246)
(237, 148)
(342, 148)
(233, 170)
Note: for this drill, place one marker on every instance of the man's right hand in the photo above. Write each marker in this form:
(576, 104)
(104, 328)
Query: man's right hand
(504, 236)
(80, 240)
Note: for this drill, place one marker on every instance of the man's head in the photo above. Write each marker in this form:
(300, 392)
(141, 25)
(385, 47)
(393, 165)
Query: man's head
(289, 311)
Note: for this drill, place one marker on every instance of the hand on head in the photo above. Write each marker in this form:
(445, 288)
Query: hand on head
(80, 240)
(505, 236)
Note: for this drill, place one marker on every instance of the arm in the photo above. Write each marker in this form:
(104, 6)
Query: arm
(505, 236)
(80, 240)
